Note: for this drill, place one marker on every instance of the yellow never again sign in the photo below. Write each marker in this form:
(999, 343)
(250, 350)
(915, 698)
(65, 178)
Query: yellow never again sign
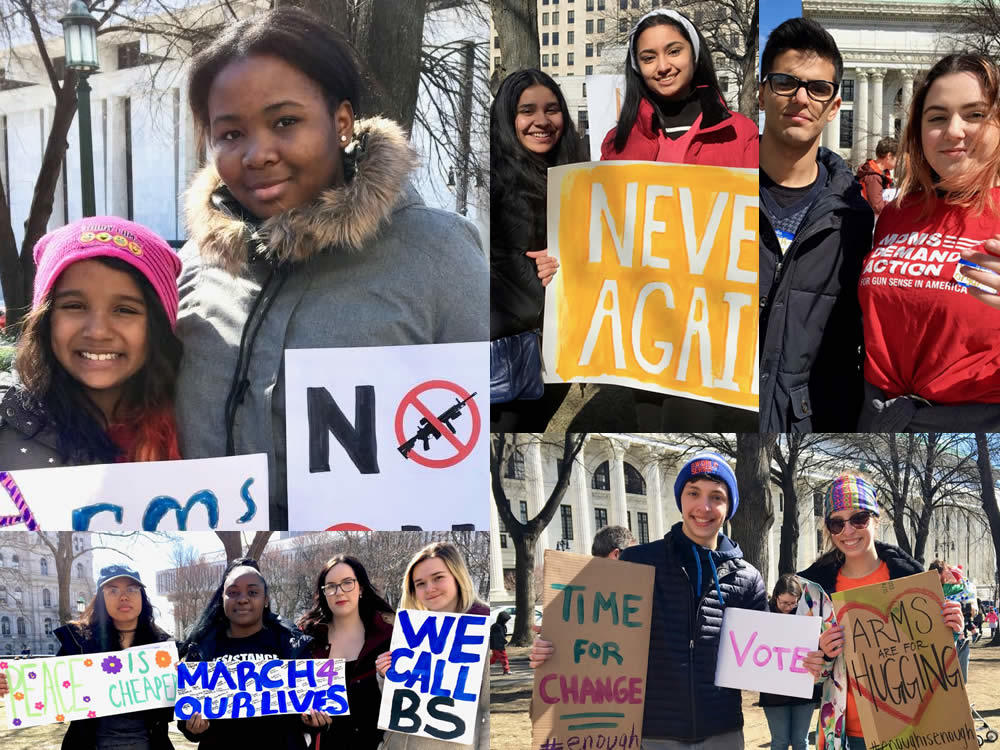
(657, 282)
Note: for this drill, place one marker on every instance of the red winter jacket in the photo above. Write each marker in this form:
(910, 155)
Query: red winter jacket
(722, 138)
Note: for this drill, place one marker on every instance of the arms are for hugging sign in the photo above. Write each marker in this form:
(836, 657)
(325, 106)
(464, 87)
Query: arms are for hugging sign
(87, 686)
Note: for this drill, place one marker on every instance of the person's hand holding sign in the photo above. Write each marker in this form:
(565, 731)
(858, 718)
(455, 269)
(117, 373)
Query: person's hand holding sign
(541, 650)
(547, 265)
(197, 724)
(831, 644)
(952, 612)
(383, 662)
(316, 719)
(989, 260)
(3, 685)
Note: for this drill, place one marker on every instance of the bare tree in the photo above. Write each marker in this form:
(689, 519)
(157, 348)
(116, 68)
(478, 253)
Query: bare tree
(516, 24)
(792, 458)
(194, 581)
(986, 447)
(233, 544)
(525, 535)
(752, 524)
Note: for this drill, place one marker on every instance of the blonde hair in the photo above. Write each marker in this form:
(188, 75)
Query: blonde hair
(448, 554)
(971, 190)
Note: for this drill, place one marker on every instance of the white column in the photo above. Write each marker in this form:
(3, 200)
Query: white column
(580, 487)
(860, 116)
(907, 95)
(497, 590)
(833, 134)
(877, 115)
(536, 493)
(618, 507)
(116, 188)
(654, 499)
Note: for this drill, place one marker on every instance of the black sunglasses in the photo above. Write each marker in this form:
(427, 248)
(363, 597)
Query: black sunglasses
(859, 520)
(783, 84)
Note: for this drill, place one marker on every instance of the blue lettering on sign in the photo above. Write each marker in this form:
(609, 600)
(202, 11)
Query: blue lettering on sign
(436, 640)
(462, 638)
(82, 516)
(163, 504)
(251, 505)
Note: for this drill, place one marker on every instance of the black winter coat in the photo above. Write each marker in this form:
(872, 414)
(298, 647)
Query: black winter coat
(810, 325)
(682, 701)
(517, 297)
(824, 571)
(82, 733)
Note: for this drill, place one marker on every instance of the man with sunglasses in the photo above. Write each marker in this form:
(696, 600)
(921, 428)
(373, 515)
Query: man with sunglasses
(815, 231)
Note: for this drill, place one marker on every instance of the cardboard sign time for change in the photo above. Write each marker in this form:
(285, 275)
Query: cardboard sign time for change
(195, 495)
(903, 667)
(385, 437)
(64, 688)
(432, 687)
(242, 688)
(657, 283)
(591, 692)
(763, 651)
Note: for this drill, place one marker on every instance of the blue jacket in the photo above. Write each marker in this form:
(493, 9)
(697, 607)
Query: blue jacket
(682, 701)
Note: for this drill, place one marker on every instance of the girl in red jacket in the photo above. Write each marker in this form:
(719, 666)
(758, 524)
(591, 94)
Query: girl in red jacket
(673, 109)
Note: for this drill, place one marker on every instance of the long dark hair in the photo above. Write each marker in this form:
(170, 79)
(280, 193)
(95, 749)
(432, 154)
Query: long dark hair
(213, 617)
(370, 605)
(515, 171)
(95, 623)
(302, 40)
(635, 85)
(147, 397)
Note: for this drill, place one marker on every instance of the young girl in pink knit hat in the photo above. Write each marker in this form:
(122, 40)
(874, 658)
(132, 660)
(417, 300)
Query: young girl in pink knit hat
(98, 358)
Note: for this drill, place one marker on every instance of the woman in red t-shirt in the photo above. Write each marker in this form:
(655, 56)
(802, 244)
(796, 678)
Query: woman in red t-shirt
(854, 559)
(932, 353)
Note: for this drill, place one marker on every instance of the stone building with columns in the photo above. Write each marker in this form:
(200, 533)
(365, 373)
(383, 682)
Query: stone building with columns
(887, 45)
(628, 480)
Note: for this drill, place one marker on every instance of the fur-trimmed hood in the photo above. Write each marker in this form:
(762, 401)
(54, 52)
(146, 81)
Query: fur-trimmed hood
(347, 216)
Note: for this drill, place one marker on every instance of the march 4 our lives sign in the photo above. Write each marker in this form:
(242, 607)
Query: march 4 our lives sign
(196, 495)
(432, 687)
(57, 689)
(387, 437)
(237, 688)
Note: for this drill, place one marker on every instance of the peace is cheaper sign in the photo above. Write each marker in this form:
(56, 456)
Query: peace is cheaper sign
(387, 437)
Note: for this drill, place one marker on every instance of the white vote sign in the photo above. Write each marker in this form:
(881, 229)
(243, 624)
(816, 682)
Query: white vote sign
(58, 689)
(385, 437)
(196, 495)
(763, 651)
(432, 687)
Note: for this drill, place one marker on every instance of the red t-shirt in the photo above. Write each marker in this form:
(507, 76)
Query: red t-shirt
(924, 335)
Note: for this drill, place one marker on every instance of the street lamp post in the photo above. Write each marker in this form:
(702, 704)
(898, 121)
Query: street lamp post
(80, 36)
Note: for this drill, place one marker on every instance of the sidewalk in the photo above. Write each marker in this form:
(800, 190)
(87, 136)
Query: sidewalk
(510, 728)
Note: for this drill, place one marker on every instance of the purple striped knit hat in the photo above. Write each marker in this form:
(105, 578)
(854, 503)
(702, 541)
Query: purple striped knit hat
(109, 237)
(850, 492)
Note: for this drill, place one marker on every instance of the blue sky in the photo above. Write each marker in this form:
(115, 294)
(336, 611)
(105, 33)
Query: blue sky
(773, 12)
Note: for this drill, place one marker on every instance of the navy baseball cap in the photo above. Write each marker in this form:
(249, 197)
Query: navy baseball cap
(108, 572)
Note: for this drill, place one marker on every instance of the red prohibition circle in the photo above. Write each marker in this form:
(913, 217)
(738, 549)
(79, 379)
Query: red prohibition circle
(462, 449)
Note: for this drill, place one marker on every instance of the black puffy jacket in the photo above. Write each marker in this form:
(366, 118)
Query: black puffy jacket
(682, 701)
(810, 323)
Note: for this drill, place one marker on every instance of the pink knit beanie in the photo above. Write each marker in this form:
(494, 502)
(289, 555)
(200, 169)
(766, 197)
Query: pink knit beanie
(109, 237)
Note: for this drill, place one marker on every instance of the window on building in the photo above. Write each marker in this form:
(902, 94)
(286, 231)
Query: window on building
(600, 4)
(515, 465)
(602, 477)
(503, 541)
(600, 48)
(555, 59)
(555, 38)
(79, 570)
(588, 70)
(555, 2)
(3, 596)
(555, 19)
(584, 91)
(1, 561)
(569, 61)
(48, 626)
(46, 598)
(15, 562)
(600, 25)
(570, 37)
(129, 55)
(583, 121)
(22, 626)
(545, 39)
(18, 595)
(566, 516)
(59, 65)
(628, 519)
(589, 28)
(496, 62)
(623, 4)
(43, 566)
(643, 519)
(4, 625)
(590, 50)
(656, 3)
(623, 23)
(545, 61)
(570, 16)
(524, 511)
(634, 483)
(52, 648)
(496, 42)
(545, 19)
(846, 136)
(847, 90)
(600, 518)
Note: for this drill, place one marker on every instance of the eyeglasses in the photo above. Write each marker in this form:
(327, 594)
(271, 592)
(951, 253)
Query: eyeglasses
(115, 591)
(347, 585)
(858, 520)
(783, 84)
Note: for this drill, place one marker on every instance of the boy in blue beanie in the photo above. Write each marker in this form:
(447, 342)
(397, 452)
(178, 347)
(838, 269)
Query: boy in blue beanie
(699, 572)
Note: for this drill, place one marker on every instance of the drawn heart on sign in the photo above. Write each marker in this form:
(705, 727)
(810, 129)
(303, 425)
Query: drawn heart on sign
(881, 704)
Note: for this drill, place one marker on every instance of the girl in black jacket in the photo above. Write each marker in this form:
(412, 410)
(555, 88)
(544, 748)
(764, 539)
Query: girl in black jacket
(530, 131)
(118, 617)
(238, 624)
